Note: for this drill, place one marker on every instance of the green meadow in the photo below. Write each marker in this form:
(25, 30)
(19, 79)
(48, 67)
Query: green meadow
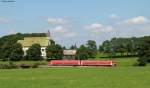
(124, 75)
(76, 77)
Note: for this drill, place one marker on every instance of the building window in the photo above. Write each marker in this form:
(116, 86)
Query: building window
(43, 50)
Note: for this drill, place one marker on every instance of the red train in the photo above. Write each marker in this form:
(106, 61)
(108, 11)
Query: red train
(82, 63)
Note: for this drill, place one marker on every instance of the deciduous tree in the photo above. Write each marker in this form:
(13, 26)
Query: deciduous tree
(82, 52)
(54, 51)
(92, 48)
(17, 52)
(34, 52)
(144, 52)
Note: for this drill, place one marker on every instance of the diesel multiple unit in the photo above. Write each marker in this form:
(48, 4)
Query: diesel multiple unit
(82, 63)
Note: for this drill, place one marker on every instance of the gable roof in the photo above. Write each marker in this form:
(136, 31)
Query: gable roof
(29, 41)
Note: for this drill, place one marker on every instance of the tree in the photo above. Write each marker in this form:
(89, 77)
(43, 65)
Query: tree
(82, 52)
(34, 52)
(1, 57)
(92, 48)
(17, 52)
(106, 46)
(144, 52)
(63, 47)
(52, 42)
(11, 51)
(6, 51)
(100, 49)
(54, 51)
(73, 47)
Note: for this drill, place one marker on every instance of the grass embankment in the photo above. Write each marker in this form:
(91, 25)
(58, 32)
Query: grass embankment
(88, 77)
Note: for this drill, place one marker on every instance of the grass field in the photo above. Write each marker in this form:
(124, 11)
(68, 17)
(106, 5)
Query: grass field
(124, 61)
(86, 77)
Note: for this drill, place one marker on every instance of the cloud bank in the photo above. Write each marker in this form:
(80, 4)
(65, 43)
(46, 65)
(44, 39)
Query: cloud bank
(99, 28)
(137, 20)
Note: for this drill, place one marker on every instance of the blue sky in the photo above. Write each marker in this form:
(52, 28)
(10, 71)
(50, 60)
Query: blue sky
(76, 21)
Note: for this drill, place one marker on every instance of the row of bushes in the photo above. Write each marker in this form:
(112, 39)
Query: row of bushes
(8, 66)
(11, 65)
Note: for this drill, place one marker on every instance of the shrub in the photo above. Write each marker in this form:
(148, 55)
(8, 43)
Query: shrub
(142, 61)
(10, 65)
(25, 66)
(35, 65)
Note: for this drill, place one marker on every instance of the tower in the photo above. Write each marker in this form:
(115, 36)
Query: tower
(49, 36)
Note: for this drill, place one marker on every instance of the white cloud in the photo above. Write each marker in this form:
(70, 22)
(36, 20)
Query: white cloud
(56, 21)
(5, 20)
(137, 20)
(94, 26)
(60, 29)
(64, 32)
(99, 28)
(109, 29)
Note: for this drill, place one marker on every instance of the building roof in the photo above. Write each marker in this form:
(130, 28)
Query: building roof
(29, 41)
(69, 52)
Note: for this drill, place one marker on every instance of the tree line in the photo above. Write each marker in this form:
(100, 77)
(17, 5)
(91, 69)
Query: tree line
(11, 50)
(121, 46)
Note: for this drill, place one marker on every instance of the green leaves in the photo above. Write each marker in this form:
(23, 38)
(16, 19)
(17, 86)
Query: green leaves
(144, 51)
(34, 52)
(54, 51)
(87, 51)
(125, 46)
(82, 52)
(17, 52)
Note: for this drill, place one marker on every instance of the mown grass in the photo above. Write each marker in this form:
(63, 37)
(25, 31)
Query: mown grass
(85, 77)
(132, 61)
(124, 61)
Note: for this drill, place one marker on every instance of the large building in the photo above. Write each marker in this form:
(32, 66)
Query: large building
(29, 41)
